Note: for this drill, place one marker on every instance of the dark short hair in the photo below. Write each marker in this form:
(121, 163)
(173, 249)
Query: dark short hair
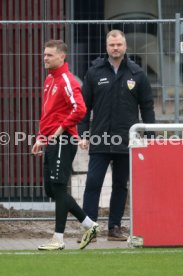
(59, 44)
(115, 33)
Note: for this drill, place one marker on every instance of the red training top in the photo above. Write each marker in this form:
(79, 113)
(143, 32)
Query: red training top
(63, 104)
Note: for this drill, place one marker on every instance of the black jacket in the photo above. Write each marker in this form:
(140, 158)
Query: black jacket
(115, 100)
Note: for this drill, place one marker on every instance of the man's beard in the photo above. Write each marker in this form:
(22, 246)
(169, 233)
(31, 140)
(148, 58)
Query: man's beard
(117, 57)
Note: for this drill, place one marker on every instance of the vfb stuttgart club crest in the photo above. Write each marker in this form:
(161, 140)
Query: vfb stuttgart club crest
(54, 90)
(131, 84)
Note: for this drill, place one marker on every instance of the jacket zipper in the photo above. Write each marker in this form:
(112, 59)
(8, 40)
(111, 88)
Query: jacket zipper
(48, 96)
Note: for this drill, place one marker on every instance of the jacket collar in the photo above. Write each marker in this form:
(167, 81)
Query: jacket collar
(60, 70)
(126, 62)
(121, 66)
(133, 67)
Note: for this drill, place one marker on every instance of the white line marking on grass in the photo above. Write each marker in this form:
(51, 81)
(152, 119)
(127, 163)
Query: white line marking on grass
(100, 252)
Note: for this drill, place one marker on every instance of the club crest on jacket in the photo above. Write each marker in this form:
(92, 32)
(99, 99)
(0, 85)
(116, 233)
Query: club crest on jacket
(130, 84)
(54, 90)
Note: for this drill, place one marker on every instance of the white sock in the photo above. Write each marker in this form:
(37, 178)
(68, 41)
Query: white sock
(58, 236)
(87, 222)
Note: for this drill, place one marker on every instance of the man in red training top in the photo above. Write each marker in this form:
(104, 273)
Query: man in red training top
(62, 109)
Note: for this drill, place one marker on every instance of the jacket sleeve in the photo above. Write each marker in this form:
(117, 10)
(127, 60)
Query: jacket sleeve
(84, 125)
(146, 102)
(73, 96)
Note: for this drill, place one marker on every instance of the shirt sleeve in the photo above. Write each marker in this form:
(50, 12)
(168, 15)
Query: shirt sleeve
(73, 96)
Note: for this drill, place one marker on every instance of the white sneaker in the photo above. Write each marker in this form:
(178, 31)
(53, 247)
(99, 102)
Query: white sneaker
(89, 235)
(53, 244)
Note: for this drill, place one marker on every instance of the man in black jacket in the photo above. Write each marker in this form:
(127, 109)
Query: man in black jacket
(115, 89)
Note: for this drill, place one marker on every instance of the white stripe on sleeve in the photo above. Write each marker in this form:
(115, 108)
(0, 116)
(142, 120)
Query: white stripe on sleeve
(69, 91)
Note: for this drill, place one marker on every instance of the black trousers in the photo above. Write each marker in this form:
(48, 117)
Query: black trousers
(57, 171)
(98, 165)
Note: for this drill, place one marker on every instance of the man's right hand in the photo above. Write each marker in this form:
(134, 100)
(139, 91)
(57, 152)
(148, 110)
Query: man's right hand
(84, 144)
(37, 148)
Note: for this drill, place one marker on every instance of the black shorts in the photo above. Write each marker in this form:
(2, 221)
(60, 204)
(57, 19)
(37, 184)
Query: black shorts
(58, 161)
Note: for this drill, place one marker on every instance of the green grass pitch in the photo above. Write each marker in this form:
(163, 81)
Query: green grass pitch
(109, 262)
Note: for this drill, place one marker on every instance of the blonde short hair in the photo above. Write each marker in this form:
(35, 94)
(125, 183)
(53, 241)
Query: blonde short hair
(59, 44)
(115, 33)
